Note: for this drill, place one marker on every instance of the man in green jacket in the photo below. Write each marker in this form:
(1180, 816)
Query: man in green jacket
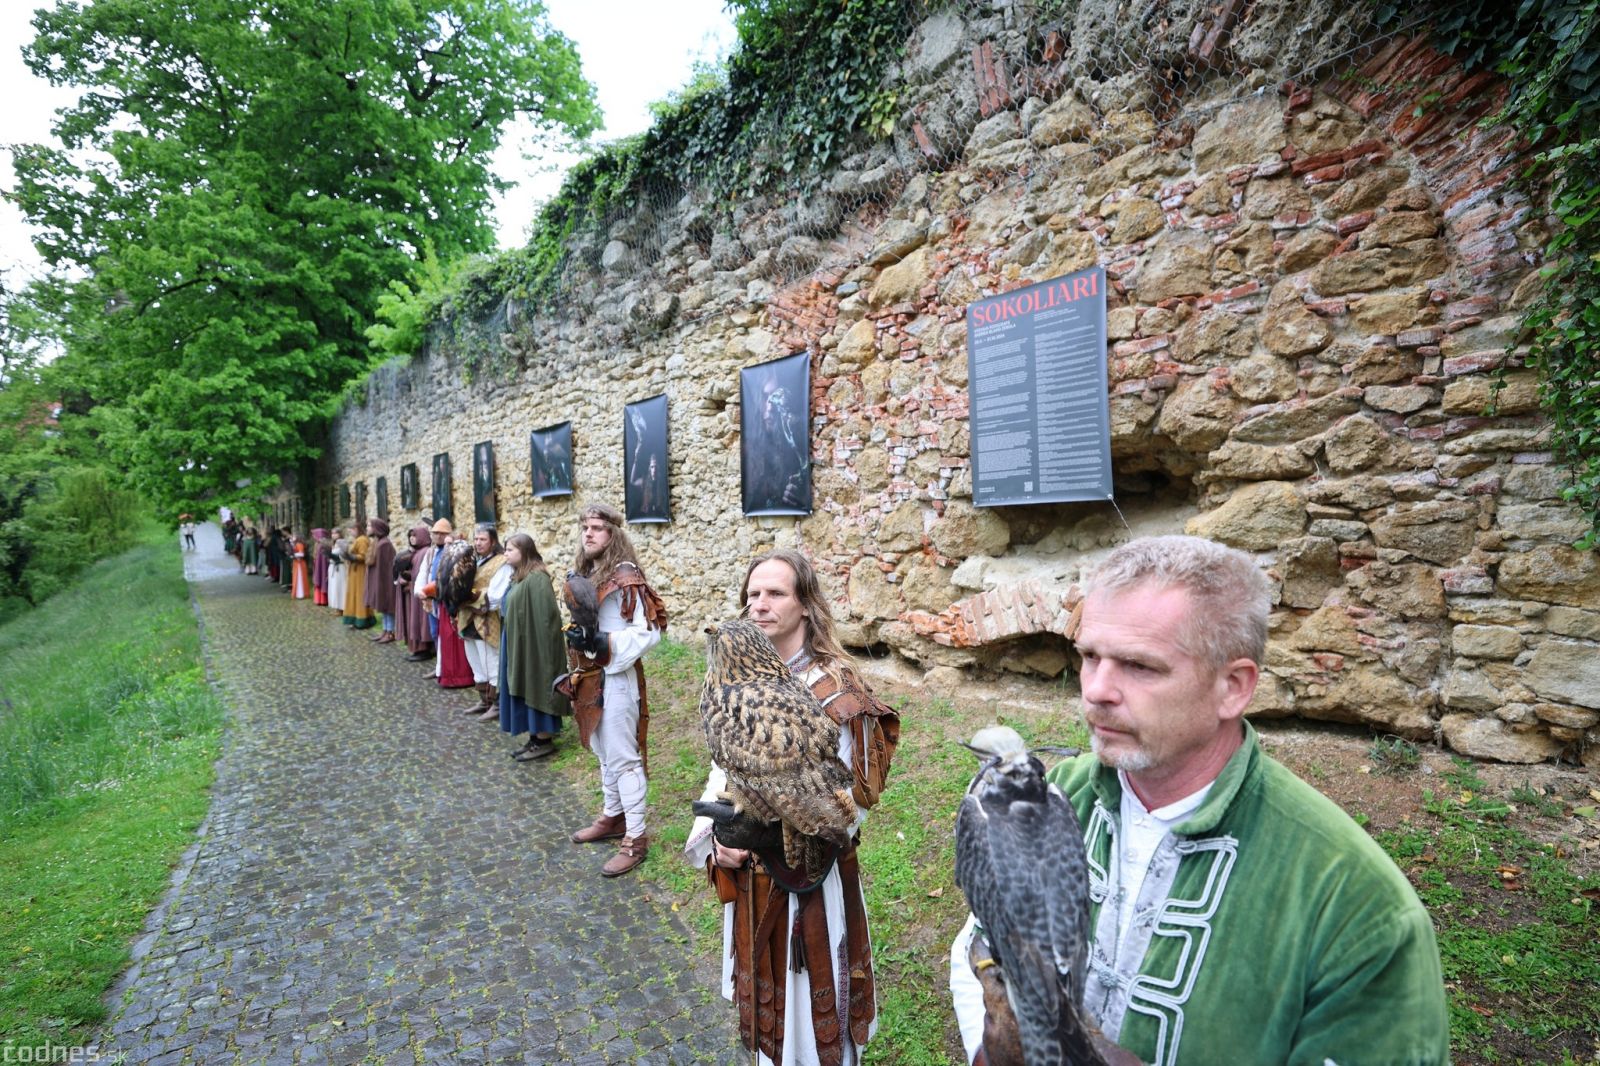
(1236, 914)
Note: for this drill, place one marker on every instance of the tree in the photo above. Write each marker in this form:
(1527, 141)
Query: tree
(237, 186)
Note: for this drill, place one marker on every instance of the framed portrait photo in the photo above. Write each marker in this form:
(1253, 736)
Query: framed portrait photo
(383, 498)
(644, 460)
(775, 436)
(483, 502)
(344, 502)
(361, 505)
(442, 507)
(550, 460)
(410, 487)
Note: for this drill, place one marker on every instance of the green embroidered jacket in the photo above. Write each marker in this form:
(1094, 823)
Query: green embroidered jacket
(1270, 929)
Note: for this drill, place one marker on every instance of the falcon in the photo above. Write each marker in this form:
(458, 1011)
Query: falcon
(583, 607)
(778, 746)
(1020, 862)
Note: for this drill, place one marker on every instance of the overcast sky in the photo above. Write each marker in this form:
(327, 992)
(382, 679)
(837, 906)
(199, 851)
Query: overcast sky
(634, 51)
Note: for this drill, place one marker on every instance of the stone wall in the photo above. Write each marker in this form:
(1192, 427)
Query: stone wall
(1314, 286)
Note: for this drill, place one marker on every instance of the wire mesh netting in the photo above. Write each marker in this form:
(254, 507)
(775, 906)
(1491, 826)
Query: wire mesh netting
(1024, 94)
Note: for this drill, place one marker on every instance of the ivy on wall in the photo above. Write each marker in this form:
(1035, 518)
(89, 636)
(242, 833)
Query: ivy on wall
(1546, 49)
(804, 86)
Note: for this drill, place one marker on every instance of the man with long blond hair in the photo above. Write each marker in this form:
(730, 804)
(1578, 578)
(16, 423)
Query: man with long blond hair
(607, 681)
(811, 970)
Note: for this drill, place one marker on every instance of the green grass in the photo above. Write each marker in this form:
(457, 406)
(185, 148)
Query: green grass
(108, 732)
(1394, 755)
(1515, 926)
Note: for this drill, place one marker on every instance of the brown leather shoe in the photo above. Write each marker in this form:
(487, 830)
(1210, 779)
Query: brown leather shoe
(630, 853)
(483, 701)
(605, 827)
(386, 638)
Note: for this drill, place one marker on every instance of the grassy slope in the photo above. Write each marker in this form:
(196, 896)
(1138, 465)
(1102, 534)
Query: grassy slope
(1501, 1011)
(108, 732)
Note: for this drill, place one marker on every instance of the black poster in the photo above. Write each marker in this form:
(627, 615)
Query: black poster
(410, 487)
(361, 507)
(483, 509)
(1036, 368)
(442, 507)
(775, 436)
(383, 498)
(550, 459)
(644, 460)
(344, 502)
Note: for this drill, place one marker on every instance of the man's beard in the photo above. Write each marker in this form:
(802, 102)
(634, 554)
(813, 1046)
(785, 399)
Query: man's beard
(1129, 761)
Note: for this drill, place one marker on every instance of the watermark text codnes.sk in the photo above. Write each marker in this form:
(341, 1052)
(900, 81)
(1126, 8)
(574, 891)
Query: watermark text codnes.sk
(57, 1053)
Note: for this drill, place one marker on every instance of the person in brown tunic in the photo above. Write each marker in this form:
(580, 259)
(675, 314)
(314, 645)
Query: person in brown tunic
(410, 619)
(380, 578)
(798, 964)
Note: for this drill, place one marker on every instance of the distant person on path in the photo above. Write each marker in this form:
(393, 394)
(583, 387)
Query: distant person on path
(250, 551)
(286, 555)
(186, 527)
(424, 570)
(338, 572)
(831, 980)
(532, 652)
(322, 553)
(380, 578)
(607, 682)
(357, 614)
(273, 548)
(450, 667)
(408, 616)
(478, 620)
(1236, 914)
(302, 572)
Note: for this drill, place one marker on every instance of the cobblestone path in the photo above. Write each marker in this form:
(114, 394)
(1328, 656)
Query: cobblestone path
(378, 882)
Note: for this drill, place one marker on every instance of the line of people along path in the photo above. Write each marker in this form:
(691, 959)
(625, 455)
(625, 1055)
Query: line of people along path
(1172, 634)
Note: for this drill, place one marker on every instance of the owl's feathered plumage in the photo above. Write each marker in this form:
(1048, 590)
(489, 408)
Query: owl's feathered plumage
(1020, 861)
(778, 746)
(457, 567)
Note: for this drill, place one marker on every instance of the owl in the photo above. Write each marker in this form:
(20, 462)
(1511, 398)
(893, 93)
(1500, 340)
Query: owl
(779, 748)
(457, 569)
(1020, 861)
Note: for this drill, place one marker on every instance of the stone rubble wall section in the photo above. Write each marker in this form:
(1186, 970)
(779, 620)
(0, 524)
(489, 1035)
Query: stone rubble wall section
(1314, 288)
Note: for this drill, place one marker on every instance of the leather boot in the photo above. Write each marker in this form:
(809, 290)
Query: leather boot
(630, 853)
(605, 827)
(483, 700)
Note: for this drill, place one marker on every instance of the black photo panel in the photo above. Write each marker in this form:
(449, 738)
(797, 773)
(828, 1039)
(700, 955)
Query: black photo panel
(550, 455)
(483, 504)
(442, 508)
(644, 460)
(410, 487)
(775, 436)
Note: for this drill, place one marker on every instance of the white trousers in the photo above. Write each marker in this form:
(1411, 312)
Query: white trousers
(616, 744)
(484, 658)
